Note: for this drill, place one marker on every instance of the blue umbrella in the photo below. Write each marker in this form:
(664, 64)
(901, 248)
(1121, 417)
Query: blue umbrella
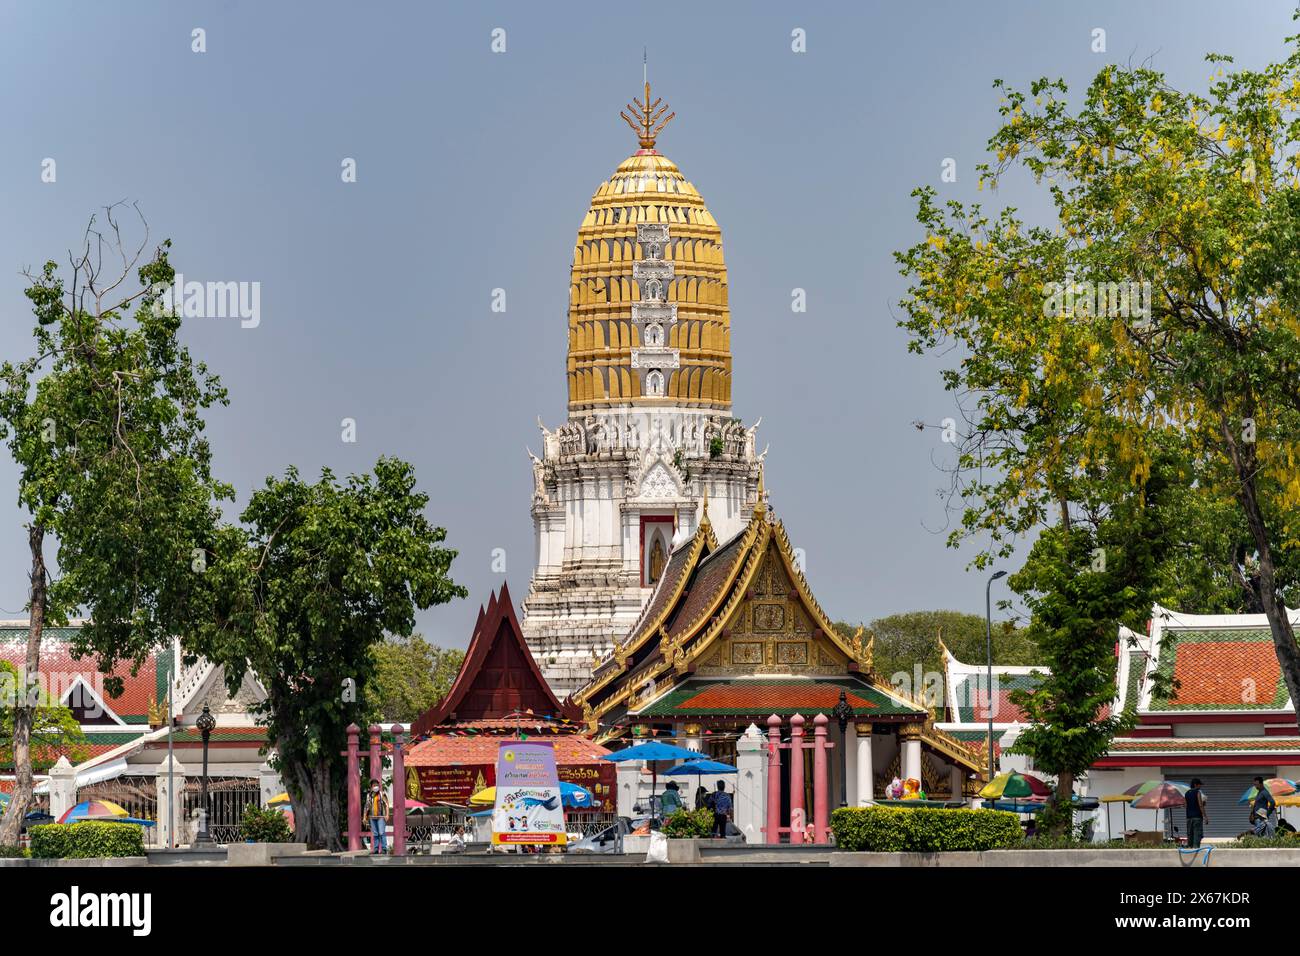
(698, 766)
(653, 751)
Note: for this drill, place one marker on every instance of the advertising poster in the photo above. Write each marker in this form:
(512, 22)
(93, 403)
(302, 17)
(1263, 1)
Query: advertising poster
(528, 807)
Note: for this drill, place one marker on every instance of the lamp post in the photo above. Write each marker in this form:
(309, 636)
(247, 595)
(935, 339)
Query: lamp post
(844, 713)
(988, 644)
(206, 724)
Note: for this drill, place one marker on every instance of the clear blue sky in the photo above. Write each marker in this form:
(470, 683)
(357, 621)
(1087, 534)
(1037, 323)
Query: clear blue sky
(474, 170)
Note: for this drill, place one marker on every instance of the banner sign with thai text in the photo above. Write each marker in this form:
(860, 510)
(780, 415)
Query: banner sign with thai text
(528, 807)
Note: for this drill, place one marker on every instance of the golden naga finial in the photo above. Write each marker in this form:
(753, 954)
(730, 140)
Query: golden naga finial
(760, 503)
(704, 506)
(943, 648)
(648, 124)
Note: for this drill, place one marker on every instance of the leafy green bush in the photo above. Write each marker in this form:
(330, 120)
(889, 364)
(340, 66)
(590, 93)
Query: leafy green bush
(267, 825)
(12, 852)
(81, 841)
(1290, 841)
(924, 830)
(689, 823)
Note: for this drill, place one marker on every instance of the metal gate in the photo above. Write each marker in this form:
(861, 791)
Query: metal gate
(138, 796)
(227, 797)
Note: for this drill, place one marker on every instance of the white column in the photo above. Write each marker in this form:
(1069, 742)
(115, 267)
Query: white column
(910, 741)
(957, 776)
(627, 781)
(750, 799)
(865, 793)
(63, 787)
(269, 783)
(176, 799)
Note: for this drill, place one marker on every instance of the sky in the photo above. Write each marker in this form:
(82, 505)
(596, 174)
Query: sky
(474, 166)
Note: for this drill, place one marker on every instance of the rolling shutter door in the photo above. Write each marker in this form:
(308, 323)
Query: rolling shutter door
(1222, 791)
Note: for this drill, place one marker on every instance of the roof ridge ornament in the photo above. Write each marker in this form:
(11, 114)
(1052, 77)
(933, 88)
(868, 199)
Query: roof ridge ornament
(648, 124)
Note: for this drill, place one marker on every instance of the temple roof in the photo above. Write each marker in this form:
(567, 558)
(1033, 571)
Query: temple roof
(61, 669)
(1232, 667)
(761, 696)
(440, 751)
(498, 676)
(702, 603)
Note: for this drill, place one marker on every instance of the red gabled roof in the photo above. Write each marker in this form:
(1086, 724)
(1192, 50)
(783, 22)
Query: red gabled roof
(498, 676)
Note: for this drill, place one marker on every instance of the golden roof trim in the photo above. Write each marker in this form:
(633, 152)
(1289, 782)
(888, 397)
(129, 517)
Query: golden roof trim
(680, 658)
(646, 629)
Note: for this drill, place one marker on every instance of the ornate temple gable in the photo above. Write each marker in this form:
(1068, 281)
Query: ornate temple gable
(759, 617)
(498, 676)
(769, 629)
(659, 480)
(232, 709)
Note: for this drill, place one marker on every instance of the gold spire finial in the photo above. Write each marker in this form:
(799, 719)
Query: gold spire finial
(647, 125)
(704, 508)
(760, 503)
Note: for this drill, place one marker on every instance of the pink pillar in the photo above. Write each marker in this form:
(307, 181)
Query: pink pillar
(821, 815)
(399, 792)
(773, 779)
(798, 816)
(354, 789)
(376, 761)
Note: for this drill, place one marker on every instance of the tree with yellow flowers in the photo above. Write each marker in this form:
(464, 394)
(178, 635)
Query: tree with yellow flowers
(1154, 325)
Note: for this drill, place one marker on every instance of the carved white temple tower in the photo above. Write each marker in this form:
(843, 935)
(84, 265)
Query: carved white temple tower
(650, 432)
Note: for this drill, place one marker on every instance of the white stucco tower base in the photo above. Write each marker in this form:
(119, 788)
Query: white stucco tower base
(609, 487)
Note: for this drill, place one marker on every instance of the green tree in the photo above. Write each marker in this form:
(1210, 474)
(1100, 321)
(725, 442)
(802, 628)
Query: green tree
(410, 676)
(905, 640)
(1158, 318)
(301, 597)
(104, 422)
(1080, 582)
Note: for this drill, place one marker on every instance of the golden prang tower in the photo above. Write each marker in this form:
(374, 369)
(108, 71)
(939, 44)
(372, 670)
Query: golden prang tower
(648, 317)
(650, 434)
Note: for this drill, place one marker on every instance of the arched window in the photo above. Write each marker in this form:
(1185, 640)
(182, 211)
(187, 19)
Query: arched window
(654, 383)
(654, 335)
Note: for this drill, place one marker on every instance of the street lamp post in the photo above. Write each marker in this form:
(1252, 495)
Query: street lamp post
(844, 713)
(206, 724)
(988, 644)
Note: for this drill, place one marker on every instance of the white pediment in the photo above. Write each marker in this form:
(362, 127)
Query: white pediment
(658, 482)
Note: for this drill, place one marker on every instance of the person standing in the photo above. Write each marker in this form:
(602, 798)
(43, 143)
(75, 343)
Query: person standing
(1263, 810)
(671, 800)
(378, 812)
(721, 810)
(1196, 815)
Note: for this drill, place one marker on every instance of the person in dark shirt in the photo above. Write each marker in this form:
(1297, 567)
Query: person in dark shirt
(721, 810)
(1262, 810)
(1196, 815)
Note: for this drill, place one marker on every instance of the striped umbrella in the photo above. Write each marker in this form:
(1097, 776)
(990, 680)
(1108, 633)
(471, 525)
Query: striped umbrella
(93, 810)
(1278, 786)
(1013, 784)
(1163, 796)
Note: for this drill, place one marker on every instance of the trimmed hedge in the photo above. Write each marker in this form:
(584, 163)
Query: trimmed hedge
(81, 841)
(923, 830)
(689, 823)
